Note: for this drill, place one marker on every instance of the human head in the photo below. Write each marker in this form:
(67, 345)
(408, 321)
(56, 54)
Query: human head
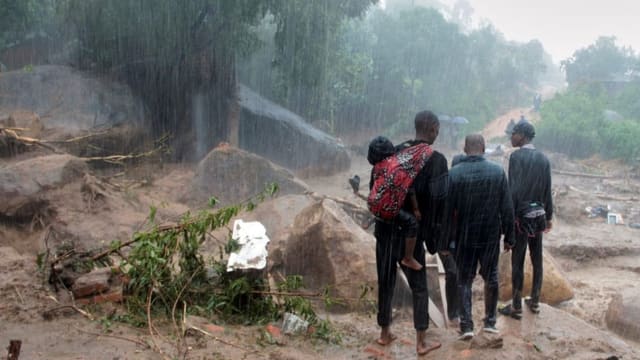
(427, 126)
(522, 134)
(474, 145)
(379, 149)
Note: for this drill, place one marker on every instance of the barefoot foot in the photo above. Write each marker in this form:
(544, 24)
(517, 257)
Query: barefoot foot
(425, 347)
(386, 339)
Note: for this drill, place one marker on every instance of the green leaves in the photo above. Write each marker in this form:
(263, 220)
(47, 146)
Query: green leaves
(601, 61)
(166, 268)
(575, 123)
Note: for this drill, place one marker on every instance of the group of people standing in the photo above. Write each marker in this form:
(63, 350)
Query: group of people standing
(464, 212)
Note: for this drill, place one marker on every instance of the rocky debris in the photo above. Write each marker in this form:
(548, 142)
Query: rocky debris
(17, 126)
(595, 240)
(23, 183)
(94, 282)
(623, 314)
(582, 253)
(555, 286)
(122, 139)
(330, 250)
(233, 175)
(28, 120)
(70, 98)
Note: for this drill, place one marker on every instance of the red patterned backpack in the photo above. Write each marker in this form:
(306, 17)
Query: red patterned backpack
(392, 178)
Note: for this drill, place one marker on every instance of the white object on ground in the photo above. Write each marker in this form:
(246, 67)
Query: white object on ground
(293, 324)
(253, 240)
(614, 218)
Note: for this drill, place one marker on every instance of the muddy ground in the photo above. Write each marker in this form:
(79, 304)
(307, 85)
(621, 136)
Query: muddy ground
(600, 260)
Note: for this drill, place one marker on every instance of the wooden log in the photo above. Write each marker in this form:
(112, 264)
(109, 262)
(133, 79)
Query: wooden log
(14, 349)
(571, 173)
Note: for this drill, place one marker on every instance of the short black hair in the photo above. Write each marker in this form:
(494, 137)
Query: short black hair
(379, 149)
(425, 119)
(525, 129)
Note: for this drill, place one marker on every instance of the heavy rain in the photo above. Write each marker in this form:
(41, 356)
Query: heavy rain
(319, 179)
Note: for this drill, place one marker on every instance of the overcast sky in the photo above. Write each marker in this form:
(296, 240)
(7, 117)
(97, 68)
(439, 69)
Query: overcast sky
(563, 26)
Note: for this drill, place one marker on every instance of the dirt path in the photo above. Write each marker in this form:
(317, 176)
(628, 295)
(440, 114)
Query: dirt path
(495, 129)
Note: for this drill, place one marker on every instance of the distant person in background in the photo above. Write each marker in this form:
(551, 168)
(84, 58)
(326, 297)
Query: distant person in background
(453, 136)
(530, 185)
(537, 100)
(480, 205)
(510, 126)
(522, 118)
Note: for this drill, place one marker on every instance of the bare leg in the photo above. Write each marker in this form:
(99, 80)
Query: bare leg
(408, 260)
(423, 347)
(386, 336)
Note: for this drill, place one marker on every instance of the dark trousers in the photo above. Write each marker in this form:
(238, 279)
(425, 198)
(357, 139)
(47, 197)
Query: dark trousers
(517, 267)
(451, 285)
(389, 252)
(468, 259)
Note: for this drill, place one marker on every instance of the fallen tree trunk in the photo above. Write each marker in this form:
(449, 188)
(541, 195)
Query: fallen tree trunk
(571, 173)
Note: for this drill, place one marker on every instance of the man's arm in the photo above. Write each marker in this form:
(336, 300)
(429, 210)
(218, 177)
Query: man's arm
(448, 232)
(438, 189)
(506, 215)
(548, 197)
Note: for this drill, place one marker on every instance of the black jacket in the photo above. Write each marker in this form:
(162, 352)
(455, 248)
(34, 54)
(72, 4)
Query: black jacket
(530, 180)
(479, 203)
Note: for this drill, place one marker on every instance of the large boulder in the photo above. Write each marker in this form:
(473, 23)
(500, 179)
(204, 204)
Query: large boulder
(70, 99)
(27, 120)
(285, 138)
(555, 286)
(623, 314)
(22, 183)
(233, 175)
(330, 251)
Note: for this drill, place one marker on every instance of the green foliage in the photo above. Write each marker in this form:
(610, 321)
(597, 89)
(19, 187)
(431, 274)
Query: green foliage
(20, 19)
(379, 70)
(620, 139)
(167, 272)
(326, 332)
(574, 123)
(296, 305)
(166, 269)
(169, 51)
(601, 61)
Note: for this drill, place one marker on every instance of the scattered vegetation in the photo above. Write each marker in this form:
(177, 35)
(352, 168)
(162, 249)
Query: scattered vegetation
(168, 279)
(592, 119)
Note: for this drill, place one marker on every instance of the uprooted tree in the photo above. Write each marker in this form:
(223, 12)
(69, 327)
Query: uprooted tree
(168, 279)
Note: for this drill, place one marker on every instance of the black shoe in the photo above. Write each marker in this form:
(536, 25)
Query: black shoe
(533, 307)
(509, 310)
(355, 183)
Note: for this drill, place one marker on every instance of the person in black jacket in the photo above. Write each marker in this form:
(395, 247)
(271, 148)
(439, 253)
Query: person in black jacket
(430, 187)
(480, 205)
(530, 184)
